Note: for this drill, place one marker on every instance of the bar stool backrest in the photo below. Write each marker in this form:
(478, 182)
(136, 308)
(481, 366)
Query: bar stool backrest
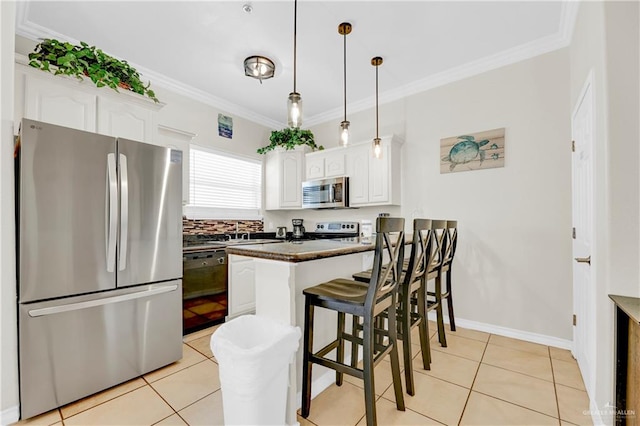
(439, 230)
(451, 242)
(422, 250)
(385, 277)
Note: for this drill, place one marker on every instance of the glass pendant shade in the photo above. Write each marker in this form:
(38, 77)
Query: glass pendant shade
(294, 108)
(377, 148)
(344, 133)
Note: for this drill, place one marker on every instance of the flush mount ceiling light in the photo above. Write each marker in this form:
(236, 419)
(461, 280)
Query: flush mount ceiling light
(377, 148)
(294, 102)
(259, 67)
(344, 29)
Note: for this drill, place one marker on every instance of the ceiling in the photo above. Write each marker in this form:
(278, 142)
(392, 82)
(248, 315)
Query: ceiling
(197, 48)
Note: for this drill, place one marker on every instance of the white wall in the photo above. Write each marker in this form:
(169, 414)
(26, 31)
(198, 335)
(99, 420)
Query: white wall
(513, 265)
(8, 329)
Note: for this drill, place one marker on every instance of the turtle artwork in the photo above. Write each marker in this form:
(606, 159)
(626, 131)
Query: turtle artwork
(471, 151)
(465, 151)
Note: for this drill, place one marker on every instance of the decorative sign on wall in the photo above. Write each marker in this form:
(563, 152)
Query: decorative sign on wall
(225, 126)
(474, 151)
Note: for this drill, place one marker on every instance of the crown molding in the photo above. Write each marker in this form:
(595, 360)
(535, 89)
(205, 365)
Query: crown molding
(560, 39)
(461, 72)
(30, 30)
(568, 17)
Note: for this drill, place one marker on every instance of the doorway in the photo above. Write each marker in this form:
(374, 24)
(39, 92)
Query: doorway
(583, 135)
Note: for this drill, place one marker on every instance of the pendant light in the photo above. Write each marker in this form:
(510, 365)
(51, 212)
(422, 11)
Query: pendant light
(294, 103)
(344, 29)
(377, 147)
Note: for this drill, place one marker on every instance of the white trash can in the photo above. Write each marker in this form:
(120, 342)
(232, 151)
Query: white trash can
(254, 354)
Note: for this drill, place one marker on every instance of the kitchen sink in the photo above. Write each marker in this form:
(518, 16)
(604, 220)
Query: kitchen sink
(235, 242)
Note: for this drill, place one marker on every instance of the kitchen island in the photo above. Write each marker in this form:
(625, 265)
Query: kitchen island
(281, 272)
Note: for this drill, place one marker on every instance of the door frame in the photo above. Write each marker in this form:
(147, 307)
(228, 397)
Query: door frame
(588, 89)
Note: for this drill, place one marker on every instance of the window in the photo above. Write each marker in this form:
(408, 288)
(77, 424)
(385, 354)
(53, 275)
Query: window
(223, 186)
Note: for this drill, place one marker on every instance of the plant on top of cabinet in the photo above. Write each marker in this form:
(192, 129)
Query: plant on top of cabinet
(290, 138)
(81, 61)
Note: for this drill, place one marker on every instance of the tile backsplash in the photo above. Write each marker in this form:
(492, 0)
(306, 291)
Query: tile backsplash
(206, 226)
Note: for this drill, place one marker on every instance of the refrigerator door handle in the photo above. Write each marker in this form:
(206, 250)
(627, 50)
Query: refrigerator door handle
(124, 212)
(112, 182)
(52, 310)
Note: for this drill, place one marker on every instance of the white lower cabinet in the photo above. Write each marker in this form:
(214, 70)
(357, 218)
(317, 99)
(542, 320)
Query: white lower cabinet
(242, 286)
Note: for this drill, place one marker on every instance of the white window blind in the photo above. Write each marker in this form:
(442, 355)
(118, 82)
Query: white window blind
(222, 186)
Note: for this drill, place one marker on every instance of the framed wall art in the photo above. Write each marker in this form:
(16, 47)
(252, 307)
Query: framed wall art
(473, 151)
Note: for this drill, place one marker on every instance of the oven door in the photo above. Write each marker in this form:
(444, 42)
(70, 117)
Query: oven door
(205, 274)
(204, 297)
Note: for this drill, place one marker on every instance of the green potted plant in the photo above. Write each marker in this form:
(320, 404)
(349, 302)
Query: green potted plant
(82, 61)
(289, 138)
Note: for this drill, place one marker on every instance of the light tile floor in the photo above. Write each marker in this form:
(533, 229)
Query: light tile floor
(479, 379)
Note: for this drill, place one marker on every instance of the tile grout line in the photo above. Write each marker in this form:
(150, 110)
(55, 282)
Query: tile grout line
(555, 388)
(473, 382)
(62, 418)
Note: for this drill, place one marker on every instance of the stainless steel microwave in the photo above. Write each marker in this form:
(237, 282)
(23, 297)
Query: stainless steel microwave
(325, 194)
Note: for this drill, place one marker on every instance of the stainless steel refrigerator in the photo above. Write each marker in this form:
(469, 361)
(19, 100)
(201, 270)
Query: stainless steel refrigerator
(99, 262)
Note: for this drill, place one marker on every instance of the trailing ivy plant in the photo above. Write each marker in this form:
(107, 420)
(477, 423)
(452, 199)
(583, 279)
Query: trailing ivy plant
(289, 138)
(59, 57)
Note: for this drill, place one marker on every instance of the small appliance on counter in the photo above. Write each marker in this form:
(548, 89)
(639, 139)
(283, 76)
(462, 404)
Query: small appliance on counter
(281, 232)
(298, 229)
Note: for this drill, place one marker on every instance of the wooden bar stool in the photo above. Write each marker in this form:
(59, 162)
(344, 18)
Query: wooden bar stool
(367, 301)
(412, 294)
(447, 263)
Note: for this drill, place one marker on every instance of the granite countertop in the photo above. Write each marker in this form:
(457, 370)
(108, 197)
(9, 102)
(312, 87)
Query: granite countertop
(302, 251)
(630, 306)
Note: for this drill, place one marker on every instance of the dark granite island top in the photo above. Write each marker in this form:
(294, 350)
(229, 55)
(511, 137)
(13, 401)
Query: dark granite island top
(302, 251)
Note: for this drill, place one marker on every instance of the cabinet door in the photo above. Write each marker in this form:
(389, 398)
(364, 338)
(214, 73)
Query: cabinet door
(125, 120)
(379, 177)
(290, 184)
(334, 164)
(178, 139)
(242, 288)
(357, 168)
(59, 104)
(314, 167)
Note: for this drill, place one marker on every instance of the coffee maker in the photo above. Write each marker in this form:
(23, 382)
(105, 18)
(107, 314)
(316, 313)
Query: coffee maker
(298, 229)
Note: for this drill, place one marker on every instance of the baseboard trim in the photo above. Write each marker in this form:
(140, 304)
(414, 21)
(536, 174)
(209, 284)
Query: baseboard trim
(509, 332)
(10, 415)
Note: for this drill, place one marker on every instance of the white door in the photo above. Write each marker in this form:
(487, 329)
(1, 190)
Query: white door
(582, 129)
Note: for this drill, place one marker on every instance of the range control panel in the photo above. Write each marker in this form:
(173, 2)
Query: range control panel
(351, 227)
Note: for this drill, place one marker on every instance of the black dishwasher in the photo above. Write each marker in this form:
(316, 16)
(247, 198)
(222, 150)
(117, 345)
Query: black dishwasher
(204, 287)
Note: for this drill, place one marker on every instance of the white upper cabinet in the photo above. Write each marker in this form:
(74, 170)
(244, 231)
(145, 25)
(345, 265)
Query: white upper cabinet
(181, 140)
(125, 120)
(59, 104)
(357, 168)
(325, 164)
(283, 175)
(374, 181)
(314, 166)
(81, 105)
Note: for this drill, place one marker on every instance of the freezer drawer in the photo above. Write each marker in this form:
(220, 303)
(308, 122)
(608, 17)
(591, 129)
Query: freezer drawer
(73, 347)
